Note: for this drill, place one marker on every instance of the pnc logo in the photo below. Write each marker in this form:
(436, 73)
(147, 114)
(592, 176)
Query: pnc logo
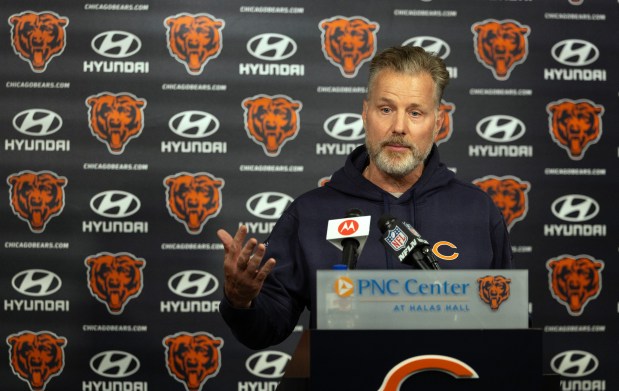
(36, 357)
(344, 286)
(575, 125)
(575, 52)
(115, 204)
(194, 40)
(574, 281)
(116, 44)
(494, 290)
(348, 227)
(37, 37)
(347, 43)
(409, 367)
(192, 359)
(574, 363)
(114, 364)
(345, 127)
(37, 122)
(268, 364)
(501, 45)
(430, 44)
(500, 128)
(272, 47)
(194, 124)
(193, 284)
(36, 197)
(268, 205)
(575, 208)
(36, 282)
(115, 279)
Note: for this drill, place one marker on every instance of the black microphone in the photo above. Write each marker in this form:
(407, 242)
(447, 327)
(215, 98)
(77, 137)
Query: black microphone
(350, 246)
(401, 239)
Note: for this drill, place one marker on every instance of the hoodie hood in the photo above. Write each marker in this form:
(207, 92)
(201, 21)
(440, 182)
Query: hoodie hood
(349, 179)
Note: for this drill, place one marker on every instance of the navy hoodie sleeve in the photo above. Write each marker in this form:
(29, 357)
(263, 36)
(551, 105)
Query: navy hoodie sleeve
(274, 313)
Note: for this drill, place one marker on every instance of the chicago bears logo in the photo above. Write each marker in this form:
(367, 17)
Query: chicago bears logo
(193, 358)
(348, 42)
(271, 121)
(38, 37)
(509, 194)
(501, 45)
(36, 197)
(444, 133)
(574, 281)
(575, 125)
(494, 290)
(193, 199)
(114, 279)
(36, 357)
(193, 40)
(114, 119)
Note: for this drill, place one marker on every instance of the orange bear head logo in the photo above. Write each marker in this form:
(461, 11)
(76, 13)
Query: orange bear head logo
(36, 357)
(494, 290)
(193, 358)
(114, 119)
(193, 199)
(271, 121)
(36, 197)
(348, 42)
(574, 281)
(38, 37)
(193, 40)
(446, 110)
(509, 194)
(114, 279)
(501, 45)
(575, 125)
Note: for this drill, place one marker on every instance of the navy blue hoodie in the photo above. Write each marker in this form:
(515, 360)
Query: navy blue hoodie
(439, 206)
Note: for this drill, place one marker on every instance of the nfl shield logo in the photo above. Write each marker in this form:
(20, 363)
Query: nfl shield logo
(396, 238)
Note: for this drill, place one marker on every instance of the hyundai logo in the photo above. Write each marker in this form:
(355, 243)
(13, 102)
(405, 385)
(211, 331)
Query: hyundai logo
(430, 44)
(36, 282)
(574, 363)
(268, 205)
(116, 44)
(575, 208)
(269, 364)
(114, 364)
(575, 52)
(500, 128)
(272, 47)
(345, 126)
(193, 283)
(37, 122)
(115, 204)
(194, 124)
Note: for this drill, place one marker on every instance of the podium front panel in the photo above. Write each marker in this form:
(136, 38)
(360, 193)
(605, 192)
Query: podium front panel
(506, 360)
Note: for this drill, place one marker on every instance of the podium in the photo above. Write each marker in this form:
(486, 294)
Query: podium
(361, 360)
(419, 331)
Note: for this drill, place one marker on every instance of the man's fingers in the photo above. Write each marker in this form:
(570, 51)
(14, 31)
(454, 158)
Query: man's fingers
(265, 270)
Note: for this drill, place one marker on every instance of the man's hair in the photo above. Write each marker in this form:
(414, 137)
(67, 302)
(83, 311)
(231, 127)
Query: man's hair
(411, 60)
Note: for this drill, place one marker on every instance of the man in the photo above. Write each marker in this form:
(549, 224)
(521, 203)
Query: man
(398, 172)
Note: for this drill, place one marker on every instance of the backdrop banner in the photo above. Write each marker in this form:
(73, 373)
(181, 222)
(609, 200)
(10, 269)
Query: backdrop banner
(132, 130)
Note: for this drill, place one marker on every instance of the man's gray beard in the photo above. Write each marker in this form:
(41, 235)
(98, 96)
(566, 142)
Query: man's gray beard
(397, 164)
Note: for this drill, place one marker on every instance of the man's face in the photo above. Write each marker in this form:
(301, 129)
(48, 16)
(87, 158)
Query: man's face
(401, 120)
